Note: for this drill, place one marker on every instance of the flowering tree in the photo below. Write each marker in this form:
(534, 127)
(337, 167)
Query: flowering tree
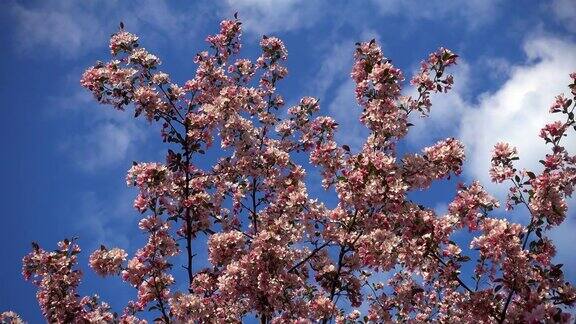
(284, 257)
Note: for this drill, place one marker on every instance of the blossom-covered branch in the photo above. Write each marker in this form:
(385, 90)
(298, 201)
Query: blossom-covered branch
(279, 254)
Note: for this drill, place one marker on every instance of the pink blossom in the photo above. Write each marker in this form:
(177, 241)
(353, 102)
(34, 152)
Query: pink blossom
(107, 262)
(123, 41)
(160, 78)
(10, 317)
(438, 161)
(322, 307)
(502, 156)
(548, 201)
(144, 58)
(553, 131)
(226, 42)
(500, 239)
(560, 102)
(470, 203)
(224, 247)
(273, 49)
(280, 254)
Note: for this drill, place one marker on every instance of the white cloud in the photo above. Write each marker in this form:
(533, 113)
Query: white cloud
(160, 15)
(345, 110)
(335, 75)
(335, 66)
(336, 62)
(104, 223)
(109, 138)
(563, 237)
(516, 112)
(565, 11)
(499, 67)
(55, 26)
(446, 109)
(269, 16)
(472, 12)
(106, 144)
(71, 28)
(513, 113)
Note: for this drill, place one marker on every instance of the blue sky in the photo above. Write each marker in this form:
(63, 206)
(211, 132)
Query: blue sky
(65, 156)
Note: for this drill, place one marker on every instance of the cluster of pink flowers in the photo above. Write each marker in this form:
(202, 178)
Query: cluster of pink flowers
(244, 69)
(500, 239)
(227, 42)
(143, 58)
(188, 307)
(110, 83)
(553, 132)
(437, 162)
(549, 200)
(57, 279)
(273, 49)
(430, 79)
(155, 182)
(322, 307)
(285, 257)
(96, 311)
(471, 204)
(123, 41)
(273, 52)
(377, 90)
(502, 168)
(147, 100)
(533, 285)
(560, 104)
(223, 247)
(107, 262)
(146, 271)
(10, 317)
